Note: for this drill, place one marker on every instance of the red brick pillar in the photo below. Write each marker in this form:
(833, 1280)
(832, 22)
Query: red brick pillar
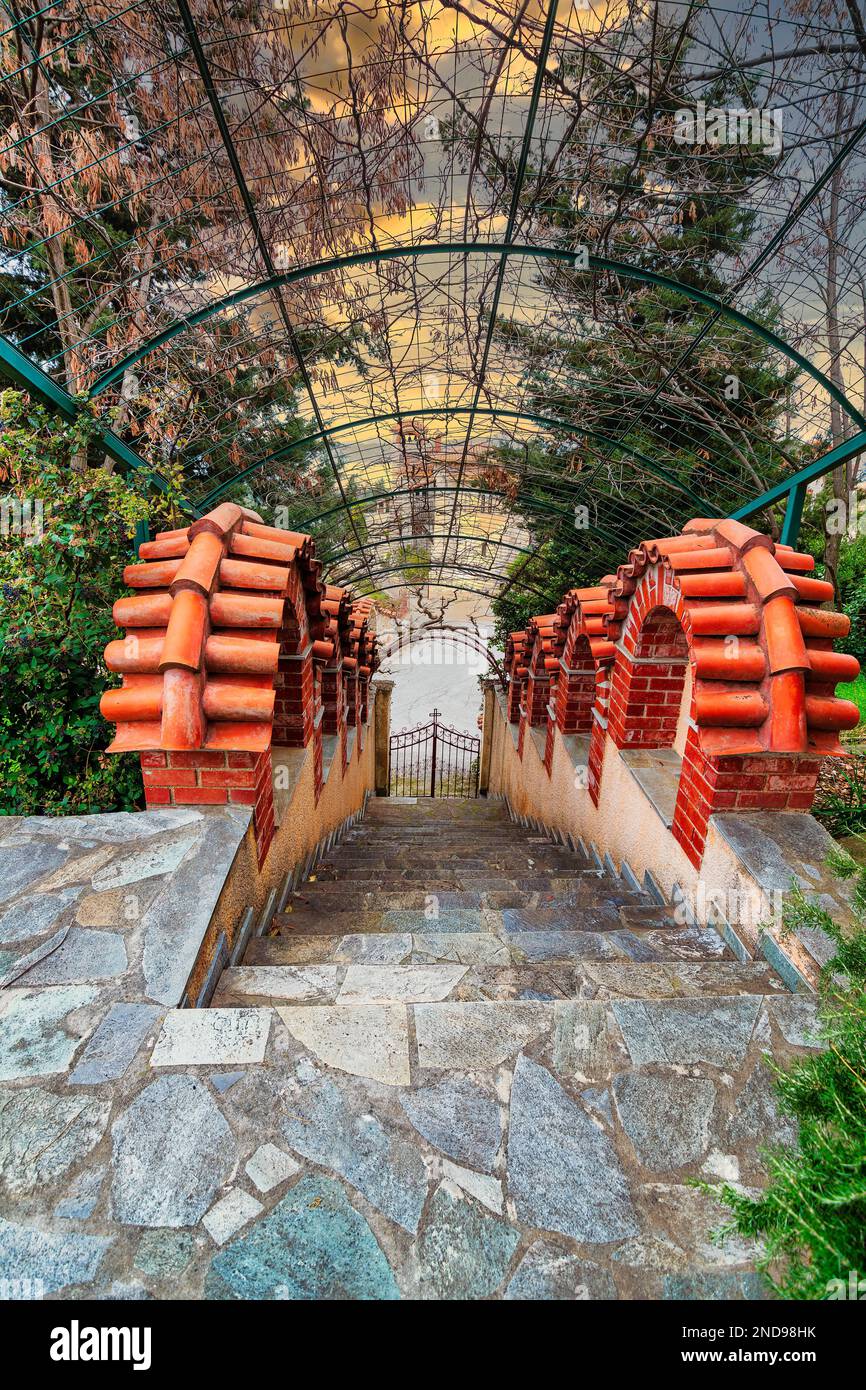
(596, 756)
(350, 697)
(293, 708)
(318, 714)
(332, 697)
(205, 777)
(575, 696)
(515, 691)
(537, 697)
(748, 782)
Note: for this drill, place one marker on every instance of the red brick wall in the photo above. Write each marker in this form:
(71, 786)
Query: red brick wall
(576, 686)
(293, 707)
(332, 698)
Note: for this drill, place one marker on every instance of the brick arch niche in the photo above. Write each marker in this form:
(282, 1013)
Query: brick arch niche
(576, 686)
(650, 683)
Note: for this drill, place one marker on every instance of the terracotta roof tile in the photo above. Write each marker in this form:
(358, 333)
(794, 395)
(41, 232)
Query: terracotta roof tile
(760, 650)
(201, 649)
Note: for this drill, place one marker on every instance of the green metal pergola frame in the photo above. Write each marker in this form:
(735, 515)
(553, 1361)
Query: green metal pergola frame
(443, 412)
(20, 369)
(465, 248)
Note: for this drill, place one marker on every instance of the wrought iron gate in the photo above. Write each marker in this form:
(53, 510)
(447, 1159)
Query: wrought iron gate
(433, 760)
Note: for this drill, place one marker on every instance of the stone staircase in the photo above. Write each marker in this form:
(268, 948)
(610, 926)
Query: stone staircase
(557, 1050)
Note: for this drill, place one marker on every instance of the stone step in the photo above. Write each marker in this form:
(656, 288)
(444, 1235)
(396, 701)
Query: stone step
(331, 870)
(363, 983)
(431, 825)
(419, 941)
(445, 897)
(483, 846)
(324, 919)
(435, 911)
(452, 876)
(436, 808)
(435, 851)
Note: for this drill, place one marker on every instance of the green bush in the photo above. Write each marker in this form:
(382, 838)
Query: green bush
(811, 1217)
(57, 588)
(854, 604)
(840, 798)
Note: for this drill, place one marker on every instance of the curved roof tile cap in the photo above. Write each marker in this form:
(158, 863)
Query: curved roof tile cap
(203, 632)
(591, 609)
(771, 689)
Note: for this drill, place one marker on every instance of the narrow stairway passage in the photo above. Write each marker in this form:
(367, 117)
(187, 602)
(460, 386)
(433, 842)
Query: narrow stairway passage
(514, 1063)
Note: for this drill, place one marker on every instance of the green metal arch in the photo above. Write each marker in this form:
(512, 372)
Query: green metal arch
(458, 588)
(464, 248)
(471, 570)
(371, 497)
(547, 421)
(327, 558)
(332, 559)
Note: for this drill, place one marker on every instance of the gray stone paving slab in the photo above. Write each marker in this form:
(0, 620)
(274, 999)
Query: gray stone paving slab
(466, 948)
(313, 1245)
(463, 1253)
(172, 1151)
(369, 1040)
(563, 945)
(378, 950)
(164, 1254)
(43, 1135)
(212, 1037)
(82, 1196)
(175, 922)
(23, 863)
(34, 1038)
(477, 1035)
(21, 964)
(157, 857)
(34, 915)
(84, 955)
(223, 1081)
(580, 1045)
(551, 1272)
(111, 1048)
(408, 984)
(797, 1020)
(756, 1118)
(270, 1166)
(277, 982)
(321, 1122)
(118, 828)
(563, 1172)
(716, 1030)
(459, 1117)
(33, 1262)
(227, 1216)
(667, 1118)
(482, 1186)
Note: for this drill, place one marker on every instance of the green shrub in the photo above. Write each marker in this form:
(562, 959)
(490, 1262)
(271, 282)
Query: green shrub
(811, 1217)
(56, 594)
(840, 798)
